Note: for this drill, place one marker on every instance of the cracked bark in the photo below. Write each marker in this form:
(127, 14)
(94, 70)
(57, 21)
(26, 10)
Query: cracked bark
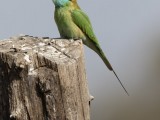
(42, 79)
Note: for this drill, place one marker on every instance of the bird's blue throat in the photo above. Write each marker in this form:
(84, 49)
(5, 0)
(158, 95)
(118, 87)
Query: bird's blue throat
(60, 3)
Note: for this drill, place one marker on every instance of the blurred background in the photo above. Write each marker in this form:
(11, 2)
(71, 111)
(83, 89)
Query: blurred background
(129, 34)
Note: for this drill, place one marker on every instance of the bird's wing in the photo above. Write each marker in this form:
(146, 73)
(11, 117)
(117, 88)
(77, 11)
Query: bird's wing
(83, 22)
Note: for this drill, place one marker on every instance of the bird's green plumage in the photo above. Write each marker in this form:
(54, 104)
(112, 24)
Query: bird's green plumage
(91, 41)
(73, 23)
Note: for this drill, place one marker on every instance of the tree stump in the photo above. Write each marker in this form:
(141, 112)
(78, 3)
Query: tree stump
(42, 79)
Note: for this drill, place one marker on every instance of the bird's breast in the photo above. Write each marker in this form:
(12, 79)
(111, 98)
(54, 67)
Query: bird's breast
(66, 26)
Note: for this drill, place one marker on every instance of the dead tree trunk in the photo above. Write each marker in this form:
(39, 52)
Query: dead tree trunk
(42, 79)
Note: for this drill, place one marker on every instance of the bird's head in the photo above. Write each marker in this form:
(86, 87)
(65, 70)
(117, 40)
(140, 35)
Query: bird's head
(60, 3)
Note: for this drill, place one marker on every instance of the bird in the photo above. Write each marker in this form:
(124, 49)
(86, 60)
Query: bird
(73, 23)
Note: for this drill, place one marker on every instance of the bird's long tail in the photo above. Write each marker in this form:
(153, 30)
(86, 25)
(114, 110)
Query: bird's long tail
(96, 47)
(105, 60)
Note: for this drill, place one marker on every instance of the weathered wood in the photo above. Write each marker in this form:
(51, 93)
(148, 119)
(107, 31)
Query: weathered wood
(42, 79)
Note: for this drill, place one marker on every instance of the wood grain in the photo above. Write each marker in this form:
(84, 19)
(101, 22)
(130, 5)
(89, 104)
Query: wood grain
(42, 79)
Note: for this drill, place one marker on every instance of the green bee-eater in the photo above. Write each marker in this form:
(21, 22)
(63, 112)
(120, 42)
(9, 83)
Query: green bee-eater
(73, 23)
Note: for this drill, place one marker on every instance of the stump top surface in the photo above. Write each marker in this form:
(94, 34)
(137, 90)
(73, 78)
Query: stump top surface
(58, 50)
